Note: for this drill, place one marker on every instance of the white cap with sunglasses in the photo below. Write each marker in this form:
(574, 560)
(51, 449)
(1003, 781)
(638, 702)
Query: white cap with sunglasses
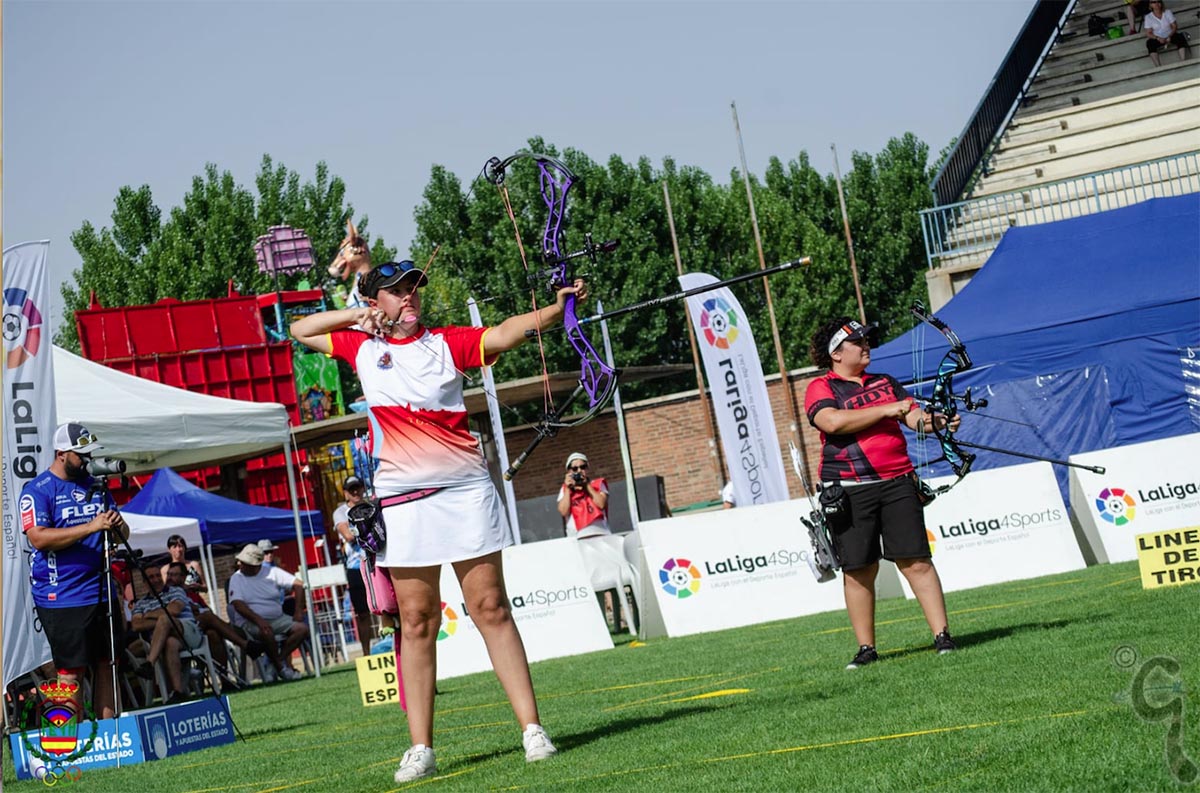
(72, 437)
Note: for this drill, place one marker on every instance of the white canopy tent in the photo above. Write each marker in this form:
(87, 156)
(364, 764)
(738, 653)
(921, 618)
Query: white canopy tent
(151, 425)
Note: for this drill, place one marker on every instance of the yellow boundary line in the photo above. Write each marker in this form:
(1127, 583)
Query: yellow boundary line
(811, 747)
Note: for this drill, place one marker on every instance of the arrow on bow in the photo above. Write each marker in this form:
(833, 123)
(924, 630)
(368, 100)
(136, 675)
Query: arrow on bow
(597, 379)
(944, 401)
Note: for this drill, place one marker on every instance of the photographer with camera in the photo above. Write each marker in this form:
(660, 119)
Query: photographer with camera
(583, 502)
(65, 515)
(865, 456)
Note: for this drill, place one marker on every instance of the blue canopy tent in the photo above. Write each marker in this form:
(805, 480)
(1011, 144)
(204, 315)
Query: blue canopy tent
(223, 521)
(1087, 329)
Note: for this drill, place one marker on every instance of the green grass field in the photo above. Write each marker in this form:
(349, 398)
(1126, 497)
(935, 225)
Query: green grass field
(1034, 700)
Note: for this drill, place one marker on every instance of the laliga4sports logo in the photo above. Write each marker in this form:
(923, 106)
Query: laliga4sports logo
(719, 322)
(22, 327)
(679, 578)
(449, 622)
(1116, 506)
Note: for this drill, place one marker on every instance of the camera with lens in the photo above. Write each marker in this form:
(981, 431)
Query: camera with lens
(105, 466)
(578, 478)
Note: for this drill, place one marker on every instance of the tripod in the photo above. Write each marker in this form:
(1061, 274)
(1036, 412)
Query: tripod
(134, 557)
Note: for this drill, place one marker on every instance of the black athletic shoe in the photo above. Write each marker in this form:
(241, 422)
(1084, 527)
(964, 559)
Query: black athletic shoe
(943, 643)
(866, 655)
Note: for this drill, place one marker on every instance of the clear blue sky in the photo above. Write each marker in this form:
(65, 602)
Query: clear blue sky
(103, 94)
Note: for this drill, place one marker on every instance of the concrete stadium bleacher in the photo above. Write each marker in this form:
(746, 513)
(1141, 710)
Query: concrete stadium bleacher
(1095, 105)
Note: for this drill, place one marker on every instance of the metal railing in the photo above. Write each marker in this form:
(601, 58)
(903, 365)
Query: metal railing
(1000, 99)
(974, 227)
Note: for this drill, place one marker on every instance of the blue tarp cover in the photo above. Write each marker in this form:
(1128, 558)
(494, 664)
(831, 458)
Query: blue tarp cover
(1083, 328)
(222, 520)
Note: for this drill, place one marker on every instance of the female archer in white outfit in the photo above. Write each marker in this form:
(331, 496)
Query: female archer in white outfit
(438, 501)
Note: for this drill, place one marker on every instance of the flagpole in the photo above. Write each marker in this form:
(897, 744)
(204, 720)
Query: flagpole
(713, 449)
(789, 397)
(837, 173)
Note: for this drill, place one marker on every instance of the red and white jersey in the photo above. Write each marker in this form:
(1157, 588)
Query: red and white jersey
(414, 392)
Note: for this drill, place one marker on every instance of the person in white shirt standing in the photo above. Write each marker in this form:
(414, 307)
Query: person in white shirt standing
(255, 607)
(1161, 30)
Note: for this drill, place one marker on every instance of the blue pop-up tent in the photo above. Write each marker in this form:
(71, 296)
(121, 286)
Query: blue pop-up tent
(1087, 329)
(223, 521)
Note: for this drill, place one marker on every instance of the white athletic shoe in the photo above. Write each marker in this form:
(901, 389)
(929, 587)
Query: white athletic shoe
(288, 672)
(537, 744)
(417, 763)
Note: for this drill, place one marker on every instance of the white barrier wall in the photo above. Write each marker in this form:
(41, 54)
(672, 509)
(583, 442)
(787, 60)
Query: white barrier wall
(743, 566)
(1147, 487)
(1003, 524)
(552, 603)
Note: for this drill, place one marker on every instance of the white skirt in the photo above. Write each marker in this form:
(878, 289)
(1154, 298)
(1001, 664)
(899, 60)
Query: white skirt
(454, 524)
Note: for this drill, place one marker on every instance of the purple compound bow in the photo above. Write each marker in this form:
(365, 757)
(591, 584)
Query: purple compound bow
(597, 380)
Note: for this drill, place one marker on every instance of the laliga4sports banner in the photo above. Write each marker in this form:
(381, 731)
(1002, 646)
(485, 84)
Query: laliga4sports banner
(29, 417)
(739, 393)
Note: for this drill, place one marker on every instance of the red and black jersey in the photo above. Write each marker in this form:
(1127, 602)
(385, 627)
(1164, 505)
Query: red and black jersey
(876, 453)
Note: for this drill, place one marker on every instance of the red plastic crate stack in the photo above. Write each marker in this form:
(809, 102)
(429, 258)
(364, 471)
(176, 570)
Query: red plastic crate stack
(216, 347)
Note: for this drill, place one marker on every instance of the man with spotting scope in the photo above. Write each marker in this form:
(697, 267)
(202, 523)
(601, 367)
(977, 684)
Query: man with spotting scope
(65, 518)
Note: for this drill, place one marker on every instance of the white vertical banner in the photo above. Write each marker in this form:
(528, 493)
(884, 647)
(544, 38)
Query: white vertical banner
(739, 393)
(29, 419)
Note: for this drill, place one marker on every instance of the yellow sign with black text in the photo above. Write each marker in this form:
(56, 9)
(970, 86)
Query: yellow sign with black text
(377, 679)
(1169, 558)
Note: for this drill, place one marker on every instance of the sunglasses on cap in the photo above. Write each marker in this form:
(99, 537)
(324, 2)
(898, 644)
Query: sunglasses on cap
(391, 268)
(84, 439)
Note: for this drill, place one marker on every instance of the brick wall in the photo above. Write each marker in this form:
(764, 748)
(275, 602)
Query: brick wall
(667, 437)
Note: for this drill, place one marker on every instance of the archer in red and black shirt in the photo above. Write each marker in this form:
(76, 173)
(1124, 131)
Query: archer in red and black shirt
(863, 449)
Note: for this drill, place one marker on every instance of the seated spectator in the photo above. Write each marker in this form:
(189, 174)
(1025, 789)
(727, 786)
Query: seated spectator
(217, 630)
(193, 583)
(172, 625)
(268, 549)
(255, 607)
(1134, 10)
(582, 501)
(1162, 30)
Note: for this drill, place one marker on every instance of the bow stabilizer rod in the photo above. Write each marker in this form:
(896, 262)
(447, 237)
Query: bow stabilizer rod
(654, 302)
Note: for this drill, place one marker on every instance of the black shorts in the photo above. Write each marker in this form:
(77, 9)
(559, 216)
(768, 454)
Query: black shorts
(1153, 45)
(78, 636)
(358, 592)
(889, 512)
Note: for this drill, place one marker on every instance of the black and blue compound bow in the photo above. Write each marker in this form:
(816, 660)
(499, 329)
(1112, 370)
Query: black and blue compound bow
(944, 405)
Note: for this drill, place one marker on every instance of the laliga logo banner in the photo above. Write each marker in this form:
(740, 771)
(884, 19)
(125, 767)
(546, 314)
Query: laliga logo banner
(29, 419)
(739, 394)
(1002, 524)
(550, 594)
(1147, 488)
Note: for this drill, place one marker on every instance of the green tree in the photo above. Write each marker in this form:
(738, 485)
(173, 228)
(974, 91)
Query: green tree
(206, 243)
